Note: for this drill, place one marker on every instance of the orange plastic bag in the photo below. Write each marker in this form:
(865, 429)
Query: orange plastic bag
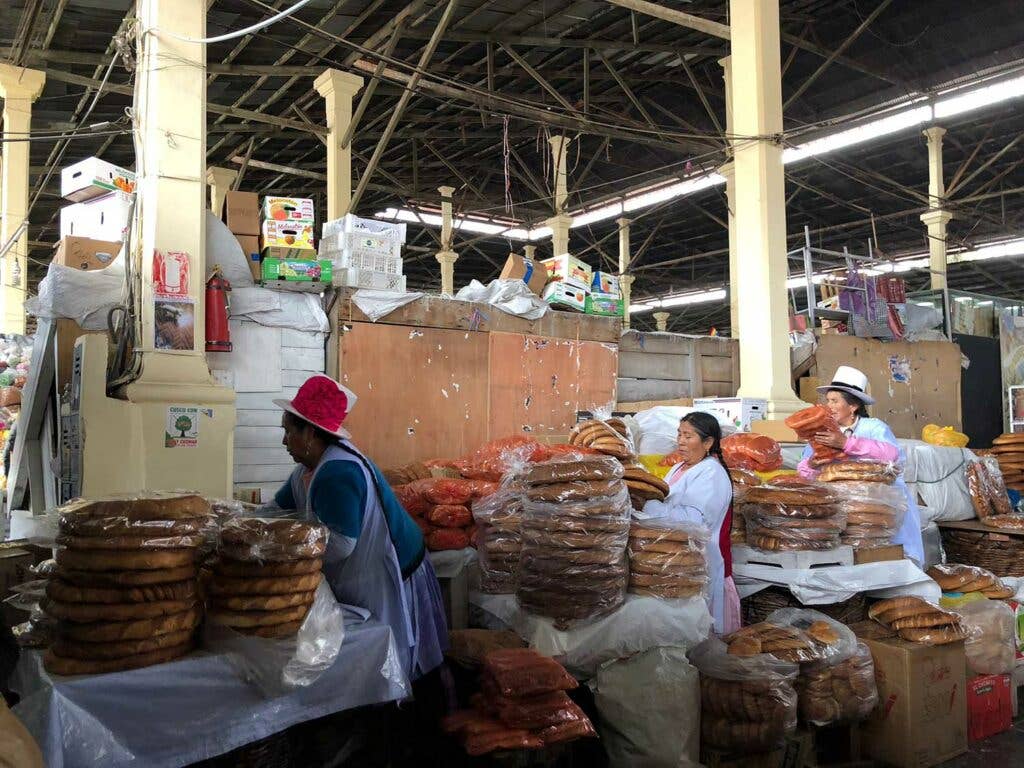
(450, 516)
(447, 538)
(749, 451)
(492, 461)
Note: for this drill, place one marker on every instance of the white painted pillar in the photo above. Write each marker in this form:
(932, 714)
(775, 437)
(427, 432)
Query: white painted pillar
(728, 170)
(625, 279)
(338, 88)
(561, 221)
(661, 320)
(936, 218)
(529, 252)
(19, 88)
(220, 181)
(447, 257)
(760, 208)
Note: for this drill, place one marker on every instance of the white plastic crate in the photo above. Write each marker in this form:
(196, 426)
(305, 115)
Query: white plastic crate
(359, 259)
(364, 278)
(356, 225)
(351, 241)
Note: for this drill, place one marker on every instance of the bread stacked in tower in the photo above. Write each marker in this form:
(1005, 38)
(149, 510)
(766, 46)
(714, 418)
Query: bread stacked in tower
(124, 588)
(266, 575)
(666, 559)
(790, 513)
(874, 507)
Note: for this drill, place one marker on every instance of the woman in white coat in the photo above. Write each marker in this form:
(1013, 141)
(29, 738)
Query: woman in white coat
(701, 492)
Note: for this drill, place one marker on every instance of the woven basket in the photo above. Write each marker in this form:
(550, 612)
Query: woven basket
(998, 552)
(759, 605)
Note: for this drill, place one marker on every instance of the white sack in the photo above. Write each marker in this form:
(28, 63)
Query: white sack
(84, 296)
(223, 249)
(659, 427)
(511, 296)
(377, 304)
(281, 309)
(938, 474)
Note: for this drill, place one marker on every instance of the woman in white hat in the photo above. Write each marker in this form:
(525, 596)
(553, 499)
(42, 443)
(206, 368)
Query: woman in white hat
(861, 437)
(375, 556)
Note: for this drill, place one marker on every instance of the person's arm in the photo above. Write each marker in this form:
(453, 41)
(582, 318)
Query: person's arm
(698, 497)
(882, 448)
(338, 498)
(804, 468)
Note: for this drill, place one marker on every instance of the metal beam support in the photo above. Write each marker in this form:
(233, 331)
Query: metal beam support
(688, 20)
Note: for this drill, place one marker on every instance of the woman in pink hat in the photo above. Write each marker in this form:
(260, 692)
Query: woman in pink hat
(375, 556)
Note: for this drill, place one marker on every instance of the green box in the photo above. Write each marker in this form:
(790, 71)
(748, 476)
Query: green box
(605, 306)
(298, 270)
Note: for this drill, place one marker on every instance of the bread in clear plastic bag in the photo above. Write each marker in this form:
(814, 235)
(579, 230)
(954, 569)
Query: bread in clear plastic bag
(835, 641)
(918, 621)
(802, 640)
(667, 558)
(986, 488)
(860, 471)
(773, 534)
(955, 577)
(839, 692)
(808, 422)
(520, 672)
(148, 505)
(793, 491)
(254, 539)
(749, 451)
(610, 437)
(748, 703)
(991, 645)
(874, 512)
(569, 469)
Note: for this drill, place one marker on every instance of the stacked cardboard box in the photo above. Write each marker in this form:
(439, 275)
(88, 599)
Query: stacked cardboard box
(605, 297)
(241, 214)
(569, 281)
(289, 257)
(534, 274)
(365, 253)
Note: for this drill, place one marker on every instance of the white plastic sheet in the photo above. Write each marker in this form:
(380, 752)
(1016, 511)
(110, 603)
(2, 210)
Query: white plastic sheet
(659, 427)
(641, 623)
(449, 563)
(824, 586)
(224, 250)
(650, 710)
(378, 304)
(511, 296)
(281, 309)
(83, 296)
(192, 709)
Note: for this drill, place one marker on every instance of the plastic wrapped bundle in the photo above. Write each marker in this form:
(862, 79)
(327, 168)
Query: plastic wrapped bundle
(499, 541)
(749, 451)
(666, 558)
(874, 512)
(987, 489)
(807, 423)
(748, 703)
(991, 643)
(918, 621)
(781, 533)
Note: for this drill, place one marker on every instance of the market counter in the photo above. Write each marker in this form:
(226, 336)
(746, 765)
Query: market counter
(193, 709)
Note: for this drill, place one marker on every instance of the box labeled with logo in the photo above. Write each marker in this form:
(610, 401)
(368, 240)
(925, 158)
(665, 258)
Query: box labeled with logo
(531, 272)
(564, 295)
(92, 178)
(569, 270)
(287, 209)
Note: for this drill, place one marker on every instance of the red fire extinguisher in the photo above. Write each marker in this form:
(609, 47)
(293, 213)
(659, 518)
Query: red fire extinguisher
(218, 334)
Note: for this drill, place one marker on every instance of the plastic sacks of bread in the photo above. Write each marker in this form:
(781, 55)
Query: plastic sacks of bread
(991, 644)
(666, 558)
(840, 685)
(874, 512)
(986, 488)
(746, 450)
(807, 423)
(499, 541)
(443, 507)
(966, 579)
(918, 621)
(610, 437)
(575, 526)
(124, 589)
(493, 460)
(748, 703)
(788, 512)
(642, 485)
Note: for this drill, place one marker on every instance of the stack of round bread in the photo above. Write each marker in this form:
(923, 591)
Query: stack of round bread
(124, 588)
(874, 512)
(574, 529)
(1009, 452)
(783, 642)
(666, 559)
(987, 489)
(789, 513)
(499, 543)
(608, 437)
(918, 621)
(742, 479)
(953, 577)
(266, 575)
(643, 486)
(842, 692)
(859, 471)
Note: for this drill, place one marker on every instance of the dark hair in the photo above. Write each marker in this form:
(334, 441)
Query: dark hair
(320, 434)
(862, 410)
(706, 425)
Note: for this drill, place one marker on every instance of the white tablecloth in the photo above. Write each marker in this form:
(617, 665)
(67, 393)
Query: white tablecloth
(189, 710)
(834, 584)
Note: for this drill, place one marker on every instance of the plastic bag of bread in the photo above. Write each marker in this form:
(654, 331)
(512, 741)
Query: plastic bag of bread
(746, 450)
(807, 423)
(955, 577)
(275, 664)
(859, 471)
(469, 647)
(608, 436)
(840, 692)
(748, 703)
(794, 491)
(918, 621)
(772, 533)
(834, 641)
(667, 558)
(493, 460)
(499, 540)
(519, 672)
(255, 539)
(874, 512)
(991, 639)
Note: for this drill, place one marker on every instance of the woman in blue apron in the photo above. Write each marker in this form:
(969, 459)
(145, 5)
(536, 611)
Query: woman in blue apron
(375, 556)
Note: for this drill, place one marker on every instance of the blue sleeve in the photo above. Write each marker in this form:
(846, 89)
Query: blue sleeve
(338, 498)
(808, 450)
(284, 498)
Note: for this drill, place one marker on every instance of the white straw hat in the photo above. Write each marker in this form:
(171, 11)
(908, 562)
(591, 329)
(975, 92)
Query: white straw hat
(851, 381)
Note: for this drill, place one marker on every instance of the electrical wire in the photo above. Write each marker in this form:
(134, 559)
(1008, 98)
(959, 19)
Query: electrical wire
(237, 33)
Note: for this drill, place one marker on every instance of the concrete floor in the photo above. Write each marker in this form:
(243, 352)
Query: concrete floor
(1002, 751)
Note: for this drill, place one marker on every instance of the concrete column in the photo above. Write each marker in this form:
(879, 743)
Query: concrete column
(625, 279)
(936, 218)
(19, 88)
(661, 320)
(447, 257)
(529, 252)
(560, 222)
(338, 88)
(728, 170)
(760, 208)
(220, 181)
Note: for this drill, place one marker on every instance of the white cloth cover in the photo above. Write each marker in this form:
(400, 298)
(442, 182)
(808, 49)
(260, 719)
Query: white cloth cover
(641, 623)
(224, 250)
(281, 309)
(834, 584)
(650, 710)
(377, 304)
(83, 296)
(511, 296)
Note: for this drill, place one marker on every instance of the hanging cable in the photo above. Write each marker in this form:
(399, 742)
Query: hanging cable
(241, 32)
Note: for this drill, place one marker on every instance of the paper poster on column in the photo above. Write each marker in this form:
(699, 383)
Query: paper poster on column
(173, 307)
(182, 429)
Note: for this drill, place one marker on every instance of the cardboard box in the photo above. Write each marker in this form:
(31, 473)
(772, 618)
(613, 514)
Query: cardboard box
(776, 430)
(242, 213)
(741, 411)
(297, 270)
(287, 209)
(295, 235)
(989, 709)
(103, 218)
(565, 295)
(606, 283)
(86, 253)
(603, 305)
(809, 389)
(533, 273)
(921, 718)
(878, 554)
(569, 270)
(251, 248)
(92, 178)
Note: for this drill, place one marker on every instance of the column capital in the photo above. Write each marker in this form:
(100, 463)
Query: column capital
(936, 216)
(446, 191)
(446, 257)
(332, 81)
(725, 63)
(561, 219)
(934, 133)
(626, 280)
(661, 320)
(623, 223)
(557, 142)
(20, 83)
(220, 176)
(529, 251)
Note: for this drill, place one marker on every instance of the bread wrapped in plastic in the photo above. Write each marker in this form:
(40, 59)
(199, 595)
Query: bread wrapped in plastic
(568, 469)
(955, 577)
(918, 621)
(793, 491)
(860, 471)
(773, 533)
(991, 645)
(749, 451)
(810, 421)
(838, 693)
(667, 558)
(610, 437)
(519, 672)
(256, 539)
(874, 512)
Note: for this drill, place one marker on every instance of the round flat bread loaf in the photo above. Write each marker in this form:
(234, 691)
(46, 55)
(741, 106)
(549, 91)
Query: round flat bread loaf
(642, 475)
(657, 580)
(666, 593)
(58, 665)
(123, 560)
(257, 618)
(569, 540)
(241, 569)
(645, 490)
(594, 525)
(83, 525)
(263, 602)
(58, 589)
(118, 579)
(580, 490)
(663, 546)
(127, 542)
(685, 556)
(669, 570)
(273, 585)
(1010, 438)
(554, 566)
(139, 629)
(794, 497)
(271, 553)
(656, 533)
(71, 649)
(150, 505)
(591, 468)
(577, 556)
(85, 613)
(273, 631)
(259, 531)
